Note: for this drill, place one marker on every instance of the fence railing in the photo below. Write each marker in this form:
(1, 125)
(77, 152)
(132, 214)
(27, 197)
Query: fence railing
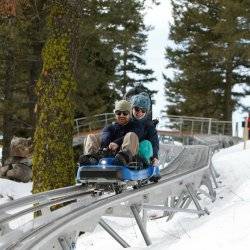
(93, 122)
(195, 125)
(177, 124)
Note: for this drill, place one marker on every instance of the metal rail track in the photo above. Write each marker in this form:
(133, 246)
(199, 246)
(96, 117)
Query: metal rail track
(44, 231)
(39, 197)
(180, 181)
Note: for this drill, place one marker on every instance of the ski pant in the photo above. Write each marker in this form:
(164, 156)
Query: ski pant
(130, 142)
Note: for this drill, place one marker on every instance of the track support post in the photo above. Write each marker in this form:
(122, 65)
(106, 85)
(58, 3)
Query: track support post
(195, 200)
(112, 232)
(144, 233)
(214, 174)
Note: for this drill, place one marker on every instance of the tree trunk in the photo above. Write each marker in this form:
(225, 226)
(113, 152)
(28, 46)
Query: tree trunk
(7, 111)
(228, 95)
(31, 94)
(125, 76)
(53, 163)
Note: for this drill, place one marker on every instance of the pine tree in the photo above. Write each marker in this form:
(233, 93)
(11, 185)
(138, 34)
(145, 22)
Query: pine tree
(96, 62)
(7, 77)
(11, 91)
(131, 42)
(53, 164)
(200, 86)
(34, 34)
(231, 51)
(104, 70)
(17, 69)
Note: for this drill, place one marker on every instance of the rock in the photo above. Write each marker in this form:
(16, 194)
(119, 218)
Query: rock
(4, 169)
(13, 159)
(27, 161)
(21, 147)
(18, 166)
(20, 172)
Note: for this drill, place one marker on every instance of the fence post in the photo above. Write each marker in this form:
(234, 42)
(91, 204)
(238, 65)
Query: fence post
(237, 129)
(223, 129)
(77, 127)
(245, 133)
(201, 127)
(209, 126)
(106, 119)
(181, 120)
(192, 127)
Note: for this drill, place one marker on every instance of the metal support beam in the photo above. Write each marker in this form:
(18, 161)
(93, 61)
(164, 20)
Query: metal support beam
(176, 205)
(213, 176)
(66, 241)
(63, 243)
(107, 228)
(188, 202)
(194, 198)
(144, 212)
(217, 175)
(45, 210)
(166, 204)
(172, 209)
(140, 224)
(144, 218)
(186, 197)
(206, 181)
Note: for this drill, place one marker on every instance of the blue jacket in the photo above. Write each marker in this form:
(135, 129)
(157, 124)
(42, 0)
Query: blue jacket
(116, 132)
(150, 134)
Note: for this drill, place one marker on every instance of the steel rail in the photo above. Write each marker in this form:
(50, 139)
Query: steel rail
(38, 234)
(195, 157)
(182, 160)
(39, 197)
(4, 218)
(35, 239)
(11, 245)
(40, 201)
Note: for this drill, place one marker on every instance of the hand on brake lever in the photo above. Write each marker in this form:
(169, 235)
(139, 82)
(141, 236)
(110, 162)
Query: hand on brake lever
(155, 162)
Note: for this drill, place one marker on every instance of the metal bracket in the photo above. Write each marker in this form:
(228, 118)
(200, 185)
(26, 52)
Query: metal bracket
(172, 209)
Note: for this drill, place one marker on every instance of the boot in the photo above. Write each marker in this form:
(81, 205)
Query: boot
(140, 162)
(105, 152)
(88, 160)
(123, 157)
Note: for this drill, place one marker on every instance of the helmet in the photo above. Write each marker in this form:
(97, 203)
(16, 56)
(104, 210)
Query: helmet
(141, 100)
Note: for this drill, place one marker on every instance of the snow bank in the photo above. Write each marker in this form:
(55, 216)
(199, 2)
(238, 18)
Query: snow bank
(14, 189)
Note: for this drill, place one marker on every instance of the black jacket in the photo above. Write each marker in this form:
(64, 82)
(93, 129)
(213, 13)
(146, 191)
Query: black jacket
(116, 132)
(150, 134)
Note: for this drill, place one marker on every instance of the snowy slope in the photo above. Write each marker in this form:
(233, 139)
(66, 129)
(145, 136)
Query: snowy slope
(226, 228)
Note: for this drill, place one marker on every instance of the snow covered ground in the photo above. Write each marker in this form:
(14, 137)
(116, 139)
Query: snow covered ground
(227, 227)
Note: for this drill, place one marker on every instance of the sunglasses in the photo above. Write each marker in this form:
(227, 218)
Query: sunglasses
(137, 109)
(125, 113)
